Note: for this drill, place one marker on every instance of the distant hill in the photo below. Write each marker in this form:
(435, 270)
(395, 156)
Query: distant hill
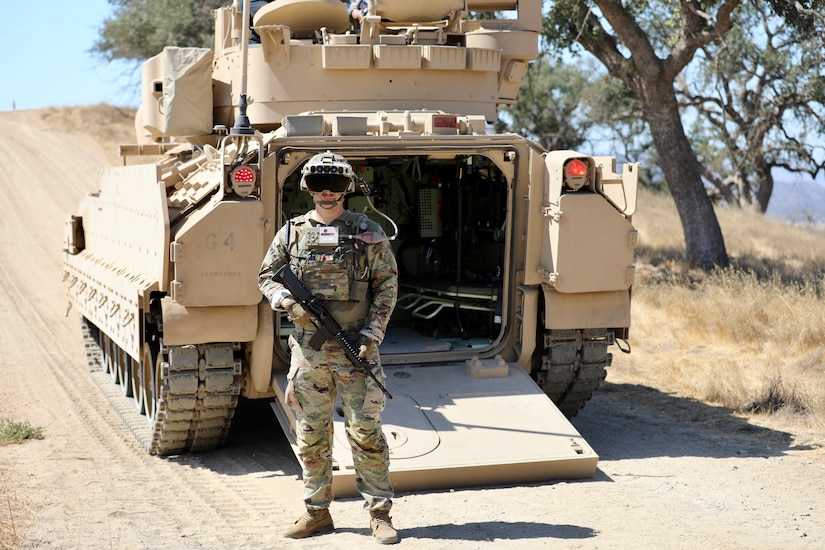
(798, 202)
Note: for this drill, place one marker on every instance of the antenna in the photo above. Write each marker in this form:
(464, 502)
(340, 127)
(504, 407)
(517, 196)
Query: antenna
(242, 127)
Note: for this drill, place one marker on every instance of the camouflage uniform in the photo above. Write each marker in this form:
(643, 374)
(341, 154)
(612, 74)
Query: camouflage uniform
(359, 285)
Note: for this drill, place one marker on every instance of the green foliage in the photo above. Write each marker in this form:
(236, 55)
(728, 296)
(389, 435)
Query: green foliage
(760, 105)
(770, 89)
(549, 106)
(564, 24)
(799, 14)
(17, 432)
(574, 105)
(139, 29)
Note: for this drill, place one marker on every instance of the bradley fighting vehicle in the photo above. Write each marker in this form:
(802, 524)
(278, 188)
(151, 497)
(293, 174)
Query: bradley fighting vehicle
(515, 263)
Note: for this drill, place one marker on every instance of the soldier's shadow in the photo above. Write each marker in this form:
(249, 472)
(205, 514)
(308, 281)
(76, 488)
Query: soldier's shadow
(502, 531)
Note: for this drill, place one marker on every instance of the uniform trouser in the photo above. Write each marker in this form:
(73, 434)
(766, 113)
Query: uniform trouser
(319, 377)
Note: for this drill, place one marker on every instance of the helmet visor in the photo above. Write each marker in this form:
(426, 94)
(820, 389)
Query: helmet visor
(334, 183)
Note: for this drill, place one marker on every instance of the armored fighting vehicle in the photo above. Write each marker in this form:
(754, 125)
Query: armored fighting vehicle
(515, 263)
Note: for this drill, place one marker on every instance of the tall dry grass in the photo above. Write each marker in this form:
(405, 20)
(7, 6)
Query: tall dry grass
(750, 337)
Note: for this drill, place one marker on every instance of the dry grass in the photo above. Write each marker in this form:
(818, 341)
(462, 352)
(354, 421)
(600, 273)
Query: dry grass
(751, 337)
(15, 517)
(108, 124)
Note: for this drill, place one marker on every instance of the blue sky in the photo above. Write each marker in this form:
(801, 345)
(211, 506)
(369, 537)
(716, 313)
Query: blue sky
(45, 59)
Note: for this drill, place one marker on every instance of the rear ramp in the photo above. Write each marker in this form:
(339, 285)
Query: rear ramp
(464, 424)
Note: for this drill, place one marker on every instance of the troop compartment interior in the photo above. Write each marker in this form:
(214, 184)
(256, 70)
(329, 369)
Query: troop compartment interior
(451, 237)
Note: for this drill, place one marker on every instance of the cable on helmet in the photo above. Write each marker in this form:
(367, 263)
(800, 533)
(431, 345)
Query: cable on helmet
(327, 172)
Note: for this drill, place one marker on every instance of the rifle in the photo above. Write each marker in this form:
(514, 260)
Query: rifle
(326, 325)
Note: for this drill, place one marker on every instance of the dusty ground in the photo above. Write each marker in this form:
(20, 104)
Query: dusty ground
(673, 473)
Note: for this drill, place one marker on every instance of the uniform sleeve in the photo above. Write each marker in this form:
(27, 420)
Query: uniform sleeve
(384, 286)
(275, 257)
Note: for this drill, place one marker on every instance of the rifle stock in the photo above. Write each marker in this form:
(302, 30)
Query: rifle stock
(325, 324)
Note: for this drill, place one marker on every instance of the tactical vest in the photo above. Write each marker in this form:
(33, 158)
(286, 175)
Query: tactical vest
(333, 267)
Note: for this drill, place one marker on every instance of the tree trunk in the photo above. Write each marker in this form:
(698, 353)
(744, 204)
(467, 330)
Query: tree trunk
(764, 185)
(704, 244)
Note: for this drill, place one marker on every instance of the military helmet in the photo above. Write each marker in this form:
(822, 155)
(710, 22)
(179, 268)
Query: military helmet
(327, 171)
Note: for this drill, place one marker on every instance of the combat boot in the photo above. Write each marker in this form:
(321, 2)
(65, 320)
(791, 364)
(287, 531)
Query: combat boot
(382, 529)
(311, 523)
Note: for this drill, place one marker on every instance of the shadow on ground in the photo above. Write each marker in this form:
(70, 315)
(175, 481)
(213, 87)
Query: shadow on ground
(629, 421)
(500, 531)
(621, 422)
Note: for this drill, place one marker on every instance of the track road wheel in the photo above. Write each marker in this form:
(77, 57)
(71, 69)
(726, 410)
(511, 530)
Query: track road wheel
(135, 376)
(107, 348)
(124, 370)
(148, 361)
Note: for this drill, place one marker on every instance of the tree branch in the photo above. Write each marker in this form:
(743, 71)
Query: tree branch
(698, 29)
(805, 11)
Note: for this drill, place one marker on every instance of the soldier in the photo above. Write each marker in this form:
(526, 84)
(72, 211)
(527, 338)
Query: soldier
(359, 285)
(254, 6)
(357, 9)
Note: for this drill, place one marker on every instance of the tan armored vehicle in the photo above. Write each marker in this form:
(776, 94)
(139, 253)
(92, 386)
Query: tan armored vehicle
(516, 264)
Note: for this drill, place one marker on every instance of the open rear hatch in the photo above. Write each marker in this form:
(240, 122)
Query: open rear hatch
(455, 420)
(481, 422)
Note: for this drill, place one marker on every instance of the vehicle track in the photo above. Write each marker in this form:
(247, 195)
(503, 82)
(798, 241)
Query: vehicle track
(213, 500)
(218, 488)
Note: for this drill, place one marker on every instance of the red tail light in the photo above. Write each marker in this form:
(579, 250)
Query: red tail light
(575, 168)
(575, 174)
(243, 174)
(243, 179)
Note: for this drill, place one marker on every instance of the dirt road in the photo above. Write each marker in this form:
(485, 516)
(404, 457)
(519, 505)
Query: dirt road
(673, 473)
